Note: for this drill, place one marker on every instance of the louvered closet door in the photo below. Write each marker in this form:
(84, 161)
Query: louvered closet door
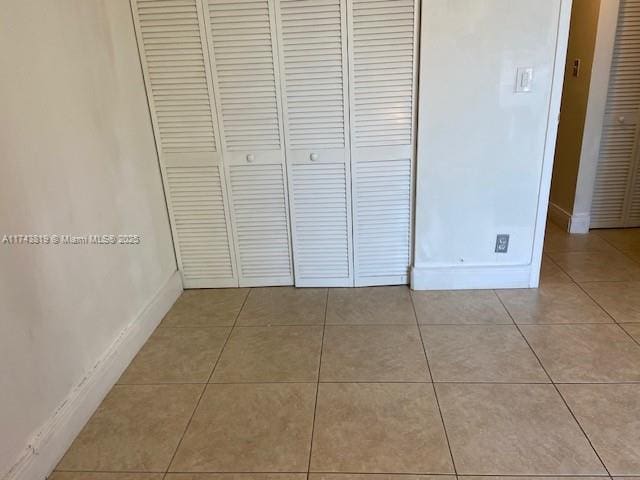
(382, 68)
(173, 56)
(313, 55)
(616, 198)
(245, 72)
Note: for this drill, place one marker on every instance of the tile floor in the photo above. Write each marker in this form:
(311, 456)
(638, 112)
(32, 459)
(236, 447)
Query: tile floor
(331, 384)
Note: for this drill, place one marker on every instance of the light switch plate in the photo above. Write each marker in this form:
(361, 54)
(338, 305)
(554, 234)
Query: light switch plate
(524, 79)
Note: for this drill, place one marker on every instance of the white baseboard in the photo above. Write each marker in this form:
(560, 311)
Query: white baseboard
(48, 446)
(580, 223)
(470, 277)
(576, 223)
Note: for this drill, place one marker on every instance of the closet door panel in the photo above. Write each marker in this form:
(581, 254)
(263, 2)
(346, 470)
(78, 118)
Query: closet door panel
(617, 175)
(174, 62)
(382, 71)
(313, 54)
(244, 66)
(261, 224)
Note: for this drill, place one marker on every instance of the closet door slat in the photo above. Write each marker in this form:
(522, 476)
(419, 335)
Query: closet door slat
(179, 89)
(382, 70)
(245, 72)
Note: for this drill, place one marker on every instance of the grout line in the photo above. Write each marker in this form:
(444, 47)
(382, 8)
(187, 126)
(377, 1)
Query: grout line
(573, 280)
(404, 474)
(204, 389)
(486, 324)
(378, 382)
(562, 398)
(315, 406)
(435, 393)
(615, 322)
(620, 250)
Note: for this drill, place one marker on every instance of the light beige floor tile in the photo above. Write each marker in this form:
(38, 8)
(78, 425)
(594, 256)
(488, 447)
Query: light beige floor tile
(514, 430)
(370, 305)
(374, 476)
(610, 416)
(249, 428)
(624, 239)
(620, 299)
(104, 476)
(484, 353)
(379, 428)
(558, 240)
(598, 266)
(633, 329)
(236, 476)
(551, 273)
(206, 308)
(177, 355)
(373, 353)
(271, 354)
(459, 307)
(136, 428)
(284, 306)
(557, 303)
(585, 353)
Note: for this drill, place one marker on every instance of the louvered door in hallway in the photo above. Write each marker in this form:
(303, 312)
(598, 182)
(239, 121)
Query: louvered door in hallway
(616, 197)
(286, 133)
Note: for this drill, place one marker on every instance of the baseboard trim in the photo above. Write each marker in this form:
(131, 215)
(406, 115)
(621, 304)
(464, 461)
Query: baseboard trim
(580, 223)
(48, 446)
(559, 216)
(470, 277)
(572, 223)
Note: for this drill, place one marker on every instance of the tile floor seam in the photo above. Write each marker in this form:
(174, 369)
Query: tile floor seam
(374, 382)
(635, 340)
(406, 474)
(315, 406)
(435, 393)
(618, 249)
(561, 269)
(575, 419)
(204, 389)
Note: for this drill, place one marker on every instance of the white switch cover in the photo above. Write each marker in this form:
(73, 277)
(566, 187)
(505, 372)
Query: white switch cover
(524, 79)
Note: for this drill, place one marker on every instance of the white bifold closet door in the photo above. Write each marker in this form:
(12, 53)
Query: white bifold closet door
(174, 59)
(313, 46)
(383, 39)
(616, 197)
(244, 66)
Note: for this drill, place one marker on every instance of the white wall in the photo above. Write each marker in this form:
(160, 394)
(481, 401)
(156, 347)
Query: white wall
(76, 156)
(481, 145)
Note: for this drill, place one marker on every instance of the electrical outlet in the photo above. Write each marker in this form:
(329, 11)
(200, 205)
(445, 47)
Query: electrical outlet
(502, 243)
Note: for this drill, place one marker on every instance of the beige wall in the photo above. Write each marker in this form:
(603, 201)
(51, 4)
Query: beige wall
(76, 156)
(582, 38)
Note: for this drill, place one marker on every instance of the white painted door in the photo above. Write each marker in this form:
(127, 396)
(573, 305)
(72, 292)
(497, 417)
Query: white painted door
(244, 66)
(313, 58)
(616, 198)
(174, 61)
(383, 49)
